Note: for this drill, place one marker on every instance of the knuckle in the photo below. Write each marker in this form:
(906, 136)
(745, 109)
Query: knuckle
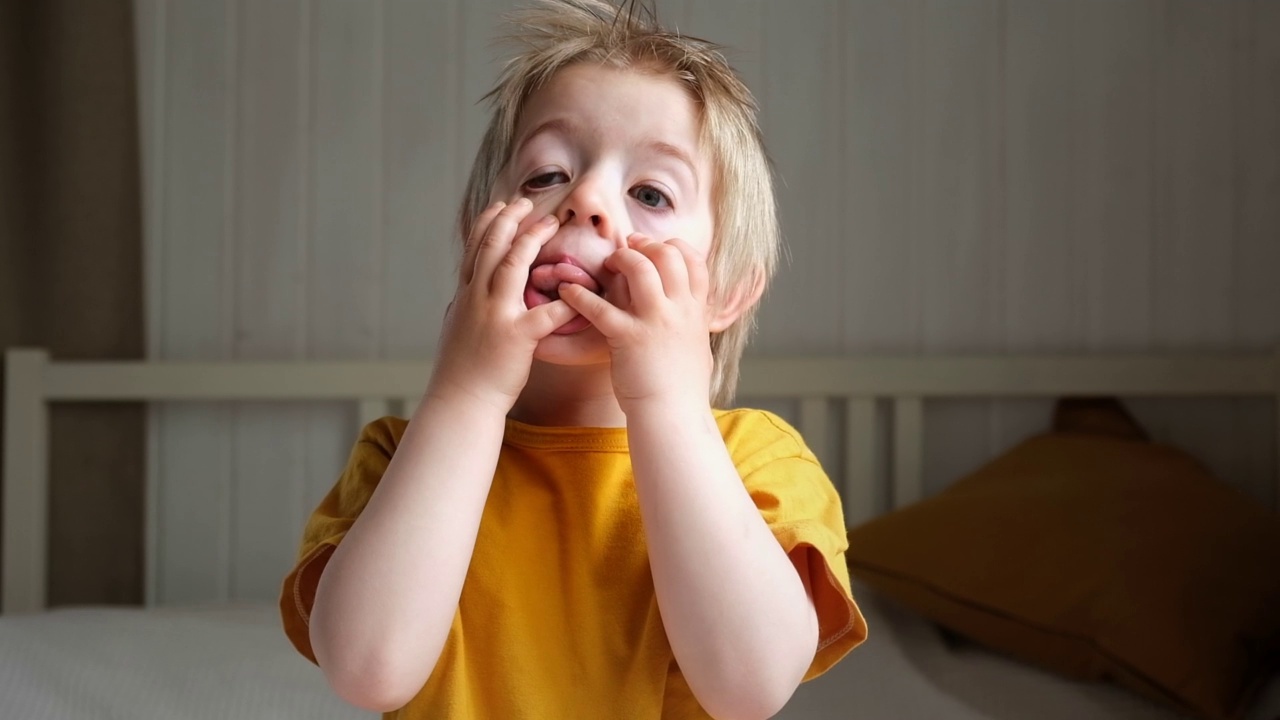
(501, 227)
(509, 262)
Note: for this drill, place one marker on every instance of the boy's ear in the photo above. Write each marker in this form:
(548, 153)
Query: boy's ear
(741, 298)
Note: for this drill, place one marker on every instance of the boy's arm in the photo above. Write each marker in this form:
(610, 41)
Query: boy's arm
(388, 595)
(738, 615)
(736, 610)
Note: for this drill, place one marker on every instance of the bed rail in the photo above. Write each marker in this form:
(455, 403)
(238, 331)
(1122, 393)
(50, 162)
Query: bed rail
(855, 386)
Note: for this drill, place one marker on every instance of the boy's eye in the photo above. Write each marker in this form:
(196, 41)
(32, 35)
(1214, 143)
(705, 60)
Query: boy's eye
(650, 196)
(546, 180)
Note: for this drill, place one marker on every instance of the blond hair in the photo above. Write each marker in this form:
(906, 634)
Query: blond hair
(553, 34)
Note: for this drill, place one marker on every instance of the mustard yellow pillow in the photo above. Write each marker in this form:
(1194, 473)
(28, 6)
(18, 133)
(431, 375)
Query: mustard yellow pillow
(1099, 558)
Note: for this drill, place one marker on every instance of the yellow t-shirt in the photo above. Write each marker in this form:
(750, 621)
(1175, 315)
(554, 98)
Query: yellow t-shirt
(558, 617)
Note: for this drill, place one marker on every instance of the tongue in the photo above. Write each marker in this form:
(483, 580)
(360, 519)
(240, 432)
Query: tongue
(544, 281)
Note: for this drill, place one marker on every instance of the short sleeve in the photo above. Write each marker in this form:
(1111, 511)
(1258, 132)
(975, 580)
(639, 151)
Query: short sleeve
(329, 523)
(802, 508)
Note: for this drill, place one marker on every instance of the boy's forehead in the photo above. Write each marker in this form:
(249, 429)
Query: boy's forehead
(585, 100)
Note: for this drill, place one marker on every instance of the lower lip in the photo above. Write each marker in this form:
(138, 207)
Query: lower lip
(578, 324)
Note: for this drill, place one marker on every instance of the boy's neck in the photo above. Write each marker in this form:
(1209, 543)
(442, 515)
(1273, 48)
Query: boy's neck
(568, 396)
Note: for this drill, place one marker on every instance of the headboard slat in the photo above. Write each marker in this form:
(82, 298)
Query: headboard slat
(26, 503)
(813, 427)
(371, 409)
(908, 451)
(859, 492)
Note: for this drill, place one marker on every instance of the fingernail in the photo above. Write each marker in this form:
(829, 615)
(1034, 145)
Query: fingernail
(498, 204)
(525, 202)
(549, 220)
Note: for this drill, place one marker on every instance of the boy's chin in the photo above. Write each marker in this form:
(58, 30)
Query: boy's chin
(585, 347)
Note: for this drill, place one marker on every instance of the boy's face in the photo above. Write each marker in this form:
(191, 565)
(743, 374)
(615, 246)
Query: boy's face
(610, 153)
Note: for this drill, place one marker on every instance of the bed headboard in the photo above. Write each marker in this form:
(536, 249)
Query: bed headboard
(825, 388)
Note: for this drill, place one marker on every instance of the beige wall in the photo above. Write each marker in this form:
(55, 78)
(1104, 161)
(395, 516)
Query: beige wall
(958, 176)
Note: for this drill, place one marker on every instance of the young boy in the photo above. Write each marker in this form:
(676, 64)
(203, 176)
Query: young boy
(566, 528)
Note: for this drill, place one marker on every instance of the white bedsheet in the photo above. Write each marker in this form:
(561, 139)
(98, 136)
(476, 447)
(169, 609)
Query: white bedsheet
(906, 669)
(132, 664)
(235, 663)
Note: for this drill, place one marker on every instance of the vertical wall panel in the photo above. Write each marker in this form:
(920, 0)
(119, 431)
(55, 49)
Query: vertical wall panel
(193, 474)
(956, 187)
(735, 24)
(481, 23)
(881, 290)
(803, 311)
(346, 256)
(1194, 174)
(674, 14)
(1114, 168)
(269, 468)
(421, 191)
(1043, 278)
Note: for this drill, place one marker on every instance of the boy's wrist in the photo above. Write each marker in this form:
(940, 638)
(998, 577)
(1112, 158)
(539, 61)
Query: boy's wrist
(679, 412)
(461, 398)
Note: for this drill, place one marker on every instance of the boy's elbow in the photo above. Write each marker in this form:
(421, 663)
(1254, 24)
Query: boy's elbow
(377, 686)
(747, 696)
(377, 679)
(750, 703)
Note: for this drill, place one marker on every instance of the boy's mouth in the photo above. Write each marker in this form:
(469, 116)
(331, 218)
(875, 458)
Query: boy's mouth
(544, 287)
(544, 282)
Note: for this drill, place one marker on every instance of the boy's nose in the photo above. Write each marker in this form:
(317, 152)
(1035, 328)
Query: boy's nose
(570, 215)
(584, 205)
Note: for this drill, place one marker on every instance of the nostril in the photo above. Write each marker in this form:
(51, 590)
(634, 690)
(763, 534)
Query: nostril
(568, 216)
(595, 220)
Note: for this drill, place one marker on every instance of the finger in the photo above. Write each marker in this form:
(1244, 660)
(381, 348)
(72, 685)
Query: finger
(478, 229)
(608, 319)
(496, 242)
(670, 264)
(695, 266)
(545, 319)
(642, 277)
(513, 272)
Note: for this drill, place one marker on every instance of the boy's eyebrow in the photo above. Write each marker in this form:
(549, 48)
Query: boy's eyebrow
(676, 152)
(559, 125)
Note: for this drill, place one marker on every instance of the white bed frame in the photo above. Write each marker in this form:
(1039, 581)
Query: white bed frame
(854, 385)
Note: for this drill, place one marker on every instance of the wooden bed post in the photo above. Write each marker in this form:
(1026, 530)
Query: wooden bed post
(26, 482)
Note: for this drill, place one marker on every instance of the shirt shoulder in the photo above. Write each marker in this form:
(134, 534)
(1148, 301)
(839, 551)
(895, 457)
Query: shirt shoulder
(756, 438)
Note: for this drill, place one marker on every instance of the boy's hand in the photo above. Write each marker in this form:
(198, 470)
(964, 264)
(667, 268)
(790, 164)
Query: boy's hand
(660, 346)
(489, 335)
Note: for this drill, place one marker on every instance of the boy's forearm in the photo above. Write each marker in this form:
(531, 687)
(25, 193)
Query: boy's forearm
(389, 593)
(735, 610)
